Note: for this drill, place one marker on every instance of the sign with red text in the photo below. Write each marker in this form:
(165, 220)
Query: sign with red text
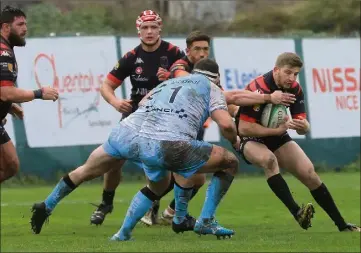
(332, 68)
(76, 67)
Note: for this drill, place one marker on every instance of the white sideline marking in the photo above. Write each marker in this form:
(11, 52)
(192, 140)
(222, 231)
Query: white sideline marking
(66, 202)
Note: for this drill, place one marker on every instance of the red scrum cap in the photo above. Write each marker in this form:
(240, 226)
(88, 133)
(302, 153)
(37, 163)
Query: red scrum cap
(148, 16)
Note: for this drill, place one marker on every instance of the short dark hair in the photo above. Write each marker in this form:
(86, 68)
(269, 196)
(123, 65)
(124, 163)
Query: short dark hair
(9, 13)
(207, 64)
(290, 59)
(197, 36)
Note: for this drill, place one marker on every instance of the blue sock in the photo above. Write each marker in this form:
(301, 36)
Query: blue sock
(217, 188)
(61, 190)
(138, 207)
(182, 197)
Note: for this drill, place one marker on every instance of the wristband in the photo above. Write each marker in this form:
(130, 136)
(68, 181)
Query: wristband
(267, 98)
(38, 94)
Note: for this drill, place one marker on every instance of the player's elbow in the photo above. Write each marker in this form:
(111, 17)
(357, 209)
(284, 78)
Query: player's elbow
(6, 95)
(227, 126)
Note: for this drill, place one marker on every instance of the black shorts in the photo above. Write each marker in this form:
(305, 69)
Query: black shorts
(4, 137)
(272, 143)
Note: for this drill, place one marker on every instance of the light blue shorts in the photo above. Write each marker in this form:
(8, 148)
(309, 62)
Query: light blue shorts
(158, 157)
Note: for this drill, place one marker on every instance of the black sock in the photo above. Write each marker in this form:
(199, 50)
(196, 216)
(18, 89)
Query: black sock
(280, 188)
(325, 200)
(194, 192)
(108, 197)
(68, 181)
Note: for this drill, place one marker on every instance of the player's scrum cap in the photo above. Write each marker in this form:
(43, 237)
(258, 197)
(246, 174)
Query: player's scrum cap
(209, 68)
(147, 16)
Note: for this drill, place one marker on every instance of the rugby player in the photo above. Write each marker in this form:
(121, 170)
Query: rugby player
(265, 148)
(13, 31)
(143, 65)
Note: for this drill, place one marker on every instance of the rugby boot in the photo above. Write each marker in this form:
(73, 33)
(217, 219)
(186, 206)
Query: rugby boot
(351, 228)
(187, 225)
(40, 215)
(211, 227)
(304, 216)
(98, 216)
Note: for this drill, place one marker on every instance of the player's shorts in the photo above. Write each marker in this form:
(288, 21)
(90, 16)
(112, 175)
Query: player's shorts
(157, 157)
(4, 137)
(272, 143)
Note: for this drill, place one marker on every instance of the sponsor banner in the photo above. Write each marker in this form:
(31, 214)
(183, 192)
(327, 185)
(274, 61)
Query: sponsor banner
(332, 68)
(76, 66)
(241, 60)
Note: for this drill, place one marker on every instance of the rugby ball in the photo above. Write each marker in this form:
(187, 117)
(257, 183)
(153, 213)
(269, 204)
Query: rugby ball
(273, 115)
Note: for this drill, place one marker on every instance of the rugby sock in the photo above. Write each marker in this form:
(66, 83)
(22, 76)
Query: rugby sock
(325, 200)
(217, 188)
(194, 192)
(280, 188)
(62, 189)
(108, 197)
(140, 204)
(182, 197)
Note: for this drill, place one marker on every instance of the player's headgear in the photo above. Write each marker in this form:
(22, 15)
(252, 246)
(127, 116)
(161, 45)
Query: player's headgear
(147, 16)
(209, 68)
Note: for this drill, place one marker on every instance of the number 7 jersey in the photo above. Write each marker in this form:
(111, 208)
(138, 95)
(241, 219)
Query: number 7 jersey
(178, 108)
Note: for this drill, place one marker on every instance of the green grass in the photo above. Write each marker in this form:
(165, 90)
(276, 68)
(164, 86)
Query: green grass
(260, 220)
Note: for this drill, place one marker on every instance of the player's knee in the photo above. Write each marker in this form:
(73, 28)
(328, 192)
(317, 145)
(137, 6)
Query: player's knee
(310, 178)
(232, 163)
(269, 162)
(12, 167)
(198, 180)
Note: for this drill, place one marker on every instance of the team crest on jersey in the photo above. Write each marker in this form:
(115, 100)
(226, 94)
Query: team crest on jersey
(10, 67)
(138, 70)
(256, 108)
(164, 62)
(116, 66)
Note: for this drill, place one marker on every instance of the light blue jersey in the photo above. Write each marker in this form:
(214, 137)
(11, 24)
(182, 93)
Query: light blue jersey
(161, 134)
(178, 108)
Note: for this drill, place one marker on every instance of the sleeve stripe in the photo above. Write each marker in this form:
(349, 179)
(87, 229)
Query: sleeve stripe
(6, 83)
(247, 118)
(114, 79)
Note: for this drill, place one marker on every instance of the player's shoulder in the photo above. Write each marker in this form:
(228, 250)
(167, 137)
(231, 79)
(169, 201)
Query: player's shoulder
(131, 53)
(5, 50)
(296, 88)
(169, 47)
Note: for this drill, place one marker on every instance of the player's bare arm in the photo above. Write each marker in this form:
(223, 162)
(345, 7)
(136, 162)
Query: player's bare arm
(17, 95)
(251, 129)
(246, 98)
(17, 111)
(226, 125)
(302, 126)
(107, 92)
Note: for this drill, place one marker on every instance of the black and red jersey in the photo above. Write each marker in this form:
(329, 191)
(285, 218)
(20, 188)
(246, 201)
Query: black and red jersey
(8, 72)
(181, 64)
(265, 84)
(142, 67)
